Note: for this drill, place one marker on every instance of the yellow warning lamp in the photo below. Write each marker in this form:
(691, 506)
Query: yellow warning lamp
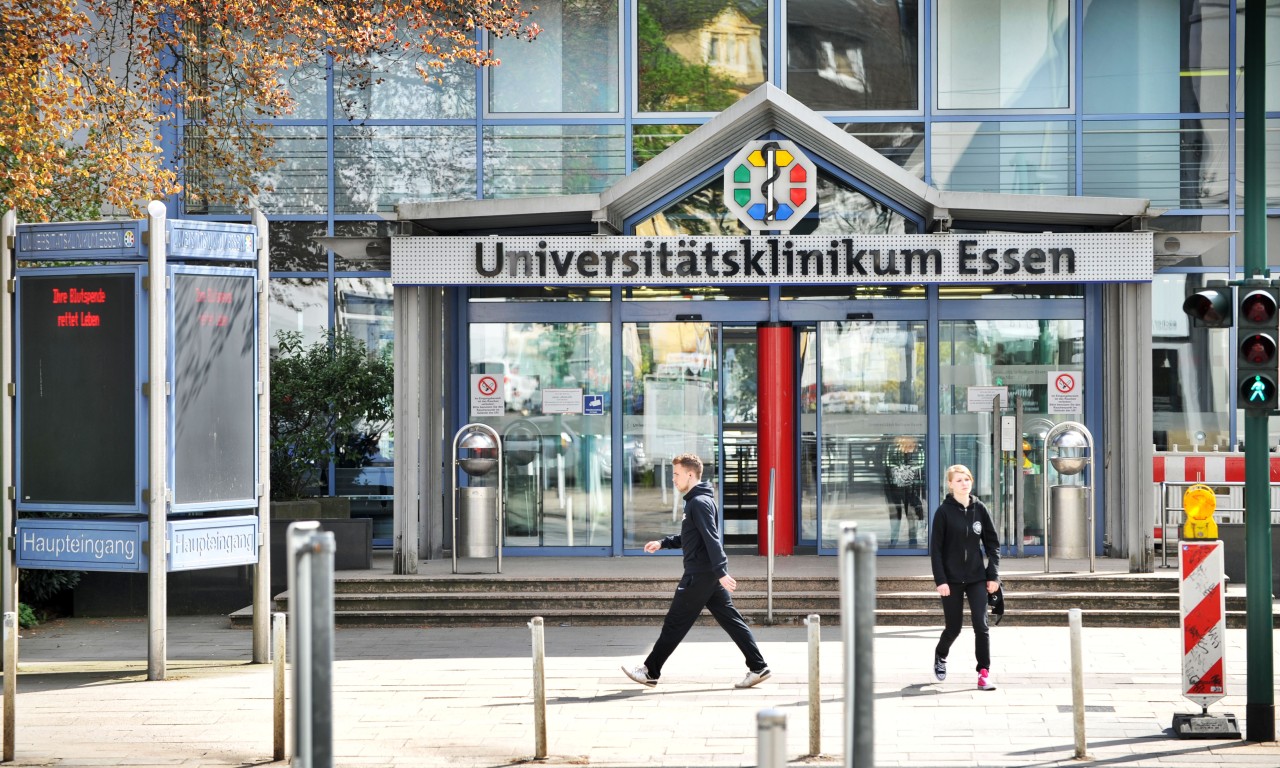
(1200, 502)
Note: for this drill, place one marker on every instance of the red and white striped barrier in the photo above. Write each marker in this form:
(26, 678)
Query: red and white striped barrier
(1203, 607)
(1205, 468)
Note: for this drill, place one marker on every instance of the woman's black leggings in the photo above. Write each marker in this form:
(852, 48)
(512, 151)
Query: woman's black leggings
(953, 612)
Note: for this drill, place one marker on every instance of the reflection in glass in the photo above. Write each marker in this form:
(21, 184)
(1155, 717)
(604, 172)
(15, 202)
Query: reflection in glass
(670, 392)
(393, 88)
(1152, 56)
(844, 210)
(1217, 255)
(649, 141)
(1017, 354)
(1176, 164)
(293, 246)
(701, 212)
(375, 255)
(903, 143)
(834, 65)
(1017, 158)
(560, 466)
(364, 468)
(1190, 369)
(297, 184)
(868, 466)
(571, 67)
(695, 293)
(1003, 54)
(1271, 156)
(699, 56)
(522, 161)
(299, 304)
(377, 167)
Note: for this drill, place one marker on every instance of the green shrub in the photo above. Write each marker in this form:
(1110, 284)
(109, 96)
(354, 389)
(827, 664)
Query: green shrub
(26, 617)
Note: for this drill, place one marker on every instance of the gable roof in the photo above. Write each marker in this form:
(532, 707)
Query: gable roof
(768, 109)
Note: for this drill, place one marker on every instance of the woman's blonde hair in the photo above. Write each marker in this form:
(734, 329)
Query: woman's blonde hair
(956, 469)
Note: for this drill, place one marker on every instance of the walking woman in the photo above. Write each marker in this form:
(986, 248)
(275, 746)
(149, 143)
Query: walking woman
(962, 534)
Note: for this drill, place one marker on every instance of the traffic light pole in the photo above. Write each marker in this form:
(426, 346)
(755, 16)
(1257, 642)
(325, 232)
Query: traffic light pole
(1260, 710)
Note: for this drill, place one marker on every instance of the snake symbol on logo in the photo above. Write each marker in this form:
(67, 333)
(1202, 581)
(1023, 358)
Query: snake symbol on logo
(769, 151)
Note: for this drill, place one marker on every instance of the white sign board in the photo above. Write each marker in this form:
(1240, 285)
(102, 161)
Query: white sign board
(562, 400)
(979, 398)
(1066, 392)
(486, 395)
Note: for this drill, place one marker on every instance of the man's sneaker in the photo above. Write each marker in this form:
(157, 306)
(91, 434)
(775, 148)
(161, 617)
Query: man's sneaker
(754, 678)
(984, 680)
(640, 674)
(939, 668)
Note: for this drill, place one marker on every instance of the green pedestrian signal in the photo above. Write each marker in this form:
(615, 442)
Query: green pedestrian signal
(1257, 365)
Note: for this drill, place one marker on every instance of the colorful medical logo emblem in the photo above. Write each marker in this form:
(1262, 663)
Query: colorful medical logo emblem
(770, 185)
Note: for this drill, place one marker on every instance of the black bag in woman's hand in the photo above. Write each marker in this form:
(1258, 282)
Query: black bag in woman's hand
(995, 604)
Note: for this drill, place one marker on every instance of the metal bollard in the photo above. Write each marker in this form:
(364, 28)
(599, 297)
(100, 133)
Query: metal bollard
(771, 739)
(10, 683)
(857, 625)
(814, 621)
(539, 690)
(278, 656)
(1074, 619)
(311, 632)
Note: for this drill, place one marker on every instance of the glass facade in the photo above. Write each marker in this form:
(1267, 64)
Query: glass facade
(1134, 98)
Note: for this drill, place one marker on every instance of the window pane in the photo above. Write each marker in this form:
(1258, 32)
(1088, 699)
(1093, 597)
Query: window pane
(299, 304)
(552, 159)
(649, 141)
(695, 293)
(1174, 164)
(1155, 56)
(374, 255)
(1189, 370)
(293, 247)
(699, 56)
(1016, 353)
(1003, 54)
(1271, 157)
(700, 213)
(377, 166)
(391, 89)
(843, 210)
(299, 183)
(834, 65)
(571, 67)
(1217, 256)
(310, 89)
(870, 396)
(903, 143)
(559, 467)
(1019, 158)
(482, 294)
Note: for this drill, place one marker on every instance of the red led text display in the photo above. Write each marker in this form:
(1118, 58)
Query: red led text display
(77, 389)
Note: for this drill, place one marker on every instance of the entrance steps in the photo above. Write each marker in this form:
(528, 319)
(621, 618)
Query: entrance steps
(471, 600)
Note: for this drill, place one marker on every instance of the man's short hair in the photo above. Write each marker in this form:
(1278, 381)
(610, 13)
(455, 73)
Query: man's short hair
(689, 461)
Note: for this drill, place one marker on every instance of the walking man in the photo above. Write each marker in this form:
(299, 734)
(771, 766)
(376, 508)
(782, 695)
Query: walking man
(706, 582)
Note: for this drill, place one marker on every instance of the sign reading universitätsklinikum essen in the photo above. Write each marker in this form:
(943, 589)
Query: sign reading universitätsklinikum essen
(797, 260)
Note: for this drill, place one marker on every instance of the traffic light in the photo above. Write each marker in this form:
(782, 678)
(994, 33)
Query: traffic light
(1256, 361)
(1210, 305)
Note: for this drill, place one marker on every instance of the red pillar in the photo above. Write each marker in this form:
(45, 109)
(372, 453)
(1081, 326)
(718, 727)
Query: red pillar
(775, 423)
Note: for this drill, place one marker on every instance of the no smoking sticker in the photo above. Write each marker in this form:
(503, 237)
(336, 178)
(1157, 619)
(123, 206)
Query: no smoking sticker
(1066, 393)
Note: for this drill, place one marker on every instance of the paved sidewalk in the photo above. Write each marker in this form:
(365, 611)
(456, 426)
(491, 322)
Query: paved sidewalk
(462, 697)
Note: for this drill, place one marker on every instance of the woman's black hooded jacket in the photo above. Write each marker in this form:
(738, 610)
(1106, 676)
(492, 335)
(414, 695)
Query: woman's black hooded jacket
(958, 541)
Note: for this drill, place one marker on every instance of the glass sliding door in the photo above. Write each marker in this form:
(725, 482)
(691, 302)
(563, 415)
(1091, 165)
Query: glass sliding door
(558, 454)
(671, 405)
(863, 431)
(1018, 354)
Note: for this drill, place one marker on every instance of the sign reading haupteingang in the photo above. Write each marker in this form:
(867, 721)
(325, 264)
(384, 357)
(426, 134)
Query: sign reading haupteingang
(787, 260)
